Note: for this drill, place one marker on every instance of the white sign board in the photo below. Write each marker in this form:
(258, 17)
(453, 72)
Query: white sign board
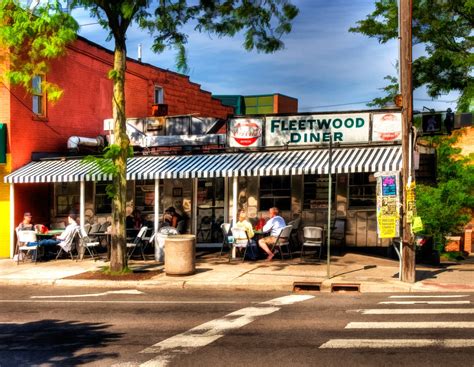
(386, 126)
(317, 129)
(245, 132)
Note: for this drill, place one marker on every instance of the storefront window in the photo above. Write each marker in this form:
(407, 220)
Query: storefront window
(316, 191)
(145, 195)
(275, 191)
(103, 203)
(67, 197)
(362, 190)
(210, 206)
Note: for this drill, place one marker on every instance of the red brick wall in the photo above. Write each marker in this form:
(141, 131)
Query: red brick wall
(284, 104)
(87, 100)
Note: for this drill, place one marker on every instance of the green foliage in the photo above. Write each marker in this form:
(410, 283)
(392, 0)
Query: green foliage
(391, 90)
(34, 37)
(447, 207)
(445, 30)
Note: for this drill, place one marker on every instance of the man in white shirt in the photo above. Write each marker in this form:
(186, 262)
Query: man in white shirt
(273, 226)
(65, 239)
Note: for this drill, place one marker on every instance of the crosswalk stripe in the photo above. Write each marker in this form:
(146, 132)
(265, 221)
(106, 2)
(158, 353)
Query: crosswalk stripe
(397, 343)
(425, 302)
(415, 311)
(426, 296)
(411, 325)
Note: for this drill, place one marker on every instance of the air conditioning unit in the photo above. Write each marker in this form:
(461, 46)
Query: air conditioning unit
(160, 109)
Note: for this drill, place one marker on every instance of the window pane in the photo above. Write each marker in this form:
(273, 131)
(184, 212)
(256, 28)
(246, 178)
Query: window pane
(275, 191)
(36, 84)
(158, 95)
(36, 105)
(103, 203)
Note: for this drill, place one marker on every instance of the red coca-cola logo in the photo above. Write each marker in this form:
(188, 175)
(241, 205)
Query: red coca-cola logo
(246, 132)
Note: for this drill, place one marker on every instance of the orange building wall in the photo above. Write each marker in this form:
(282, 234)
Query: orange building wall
(284, 104)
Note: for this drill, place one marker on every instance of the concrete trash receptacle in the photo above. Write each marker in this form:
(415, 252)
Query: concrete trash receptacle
(180, 255)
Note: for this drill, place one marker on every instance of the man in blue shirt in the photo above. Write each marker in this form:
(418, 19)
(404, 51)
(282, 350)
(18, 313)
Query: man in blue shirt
(273, 226)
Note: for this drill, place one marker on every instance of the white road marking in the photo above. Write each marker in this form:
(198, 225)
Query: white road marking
(425, 303)
(288, 300)
(397, 343)
(124, 291)
(209, 332)
(416, 311)
(117, 301)
(412, 325)
(425, 296)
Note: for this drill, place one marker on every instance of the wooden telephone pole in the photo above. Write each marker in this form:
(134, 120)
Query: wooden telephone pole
(406, 84)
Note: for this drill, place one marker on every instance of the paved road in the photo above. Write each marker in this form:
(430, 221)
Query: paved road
(50, 326)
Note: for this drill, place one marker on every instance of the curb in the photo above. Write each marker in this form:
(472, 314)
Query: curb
(365, 287)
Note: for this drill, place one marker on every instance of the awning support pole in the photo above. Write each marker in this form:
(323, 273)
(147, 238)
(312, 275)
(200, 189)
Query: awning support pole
(157, 206)
(12, 220)
(329, 207)
(82, 200)
(195, 207)
(234, 207)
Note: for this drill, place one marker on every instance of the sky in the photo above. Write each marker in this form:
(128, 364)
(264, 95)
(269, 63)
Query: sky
(323, 65)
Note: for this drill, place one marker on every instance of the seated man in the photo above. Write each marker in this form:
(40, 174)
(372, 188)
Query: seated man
(274, 226)
(26, 224)
(65, 239)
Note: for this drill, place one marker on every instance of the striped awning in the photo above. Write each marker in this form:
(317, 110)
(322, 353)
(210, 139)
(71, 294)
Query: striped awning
(290, 162)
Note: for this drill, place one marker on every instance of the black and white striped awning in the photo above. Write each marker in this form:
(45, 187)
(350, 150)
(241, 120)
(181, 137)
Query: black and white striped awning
(290, 162)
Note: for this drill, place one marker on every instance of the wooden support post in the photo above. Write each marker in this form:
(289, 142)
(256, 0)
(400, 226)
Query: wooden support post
(406, 84)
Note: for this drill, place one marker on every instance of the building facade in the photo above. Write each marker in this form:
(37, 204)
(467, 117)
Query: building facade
(32, 125)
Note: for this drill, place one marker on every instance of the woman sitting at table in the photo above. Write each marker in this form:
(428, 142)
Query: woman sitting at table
(244, 224)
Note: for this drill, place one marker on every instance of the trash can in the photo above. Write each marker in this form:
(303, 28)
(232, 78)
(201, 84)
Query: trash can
(160, 247)
(180, 255)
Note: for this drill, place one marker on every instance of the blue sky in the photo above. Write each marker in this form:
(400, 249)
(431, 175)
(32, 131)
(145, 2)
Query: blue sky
(322, 65)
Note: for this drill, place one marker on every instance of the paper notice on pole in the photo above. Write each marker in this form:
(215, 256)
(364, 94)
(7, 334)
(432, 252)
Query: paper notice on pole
(387, 226)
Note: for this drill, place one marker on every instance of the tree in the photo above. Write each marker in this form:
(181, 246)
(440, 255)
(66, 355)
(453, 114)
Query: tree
(444, 28)
(449, 205)
(262, 22)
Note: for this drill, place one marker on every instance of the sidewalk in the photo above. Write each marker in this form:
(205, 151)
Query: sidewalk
(371, 273)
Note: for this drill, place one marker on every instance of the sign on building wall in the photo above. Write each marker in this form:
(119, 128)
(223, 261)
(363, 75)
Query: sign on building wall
(317, 129)
(386, 126)
(246, 132)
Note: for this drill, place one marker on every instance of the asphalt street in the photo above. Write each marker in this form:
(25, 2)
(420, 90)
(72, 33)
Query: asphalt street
(57, 326)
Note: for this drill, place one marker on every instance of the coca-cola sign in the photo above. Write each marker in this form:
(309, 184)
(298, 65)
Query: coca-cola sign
(245, 132)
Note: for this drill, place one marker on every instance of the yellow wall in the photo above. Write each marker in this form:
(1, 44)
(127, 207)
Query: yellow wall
(5, 209)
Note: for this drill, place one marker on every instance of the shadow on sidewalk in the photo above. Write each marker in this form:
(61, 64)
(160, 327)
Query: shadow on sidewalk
(54, 343)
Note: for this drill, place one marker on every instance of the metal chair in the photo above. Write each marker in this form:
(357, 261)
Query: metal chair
(313, 237)
(241, 240)
(87, 227)
(283, 239)
(137, 242)
(69, 244)
(225, 228)
(25, 238)
(87, 244)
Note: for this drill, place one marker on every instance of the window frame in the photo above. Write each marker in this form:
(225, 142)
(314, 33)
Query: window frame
(272, 197)
(102, 195)
(161, 97)
(72, 197)
(41, 94)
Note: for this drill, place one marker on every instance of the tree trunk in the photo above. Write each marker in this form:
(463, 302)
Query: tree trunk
(118, 254)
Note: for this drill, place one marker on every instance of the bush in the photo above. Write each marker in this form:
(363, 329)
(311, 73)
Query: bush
(447, 207)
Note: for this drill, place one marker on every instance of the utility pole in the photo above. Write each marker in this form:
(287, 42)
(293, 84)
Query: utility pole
(406, 84)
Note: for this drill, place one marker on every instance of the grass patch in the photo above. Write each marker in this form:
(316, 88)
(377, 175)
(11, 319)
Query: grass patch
(106, 270)
(453, 256)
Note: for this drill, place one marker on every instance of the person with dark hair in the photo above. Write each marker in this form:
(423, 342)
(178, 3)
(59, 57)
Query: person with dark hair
(449, 121)
(65, 239)
(172, 217)
(26, 224)
(134, 220)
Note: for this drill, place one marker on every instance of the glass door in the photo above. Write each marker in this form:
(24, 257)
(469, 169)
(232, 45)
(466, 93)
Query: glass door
(210, 210)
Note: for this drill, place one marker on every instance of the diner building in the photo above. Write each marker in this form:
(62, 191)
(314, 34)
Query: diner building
(281, 160)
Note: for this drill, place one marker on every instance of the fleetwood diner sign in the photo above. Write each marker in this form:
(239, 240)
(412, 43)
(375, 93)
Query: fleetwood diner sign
(317, 129)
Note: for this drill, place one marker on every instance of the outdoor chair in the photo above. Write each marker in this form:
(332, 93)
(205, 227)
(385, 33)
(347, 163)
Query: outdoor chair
(87, 244)
(204, 229)
(69, 244)
(283, 240)
(295, 242)
(27, 242)
(138, 242)
(241, 241)
(87, 228)
(225, 228)
(313, 237)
